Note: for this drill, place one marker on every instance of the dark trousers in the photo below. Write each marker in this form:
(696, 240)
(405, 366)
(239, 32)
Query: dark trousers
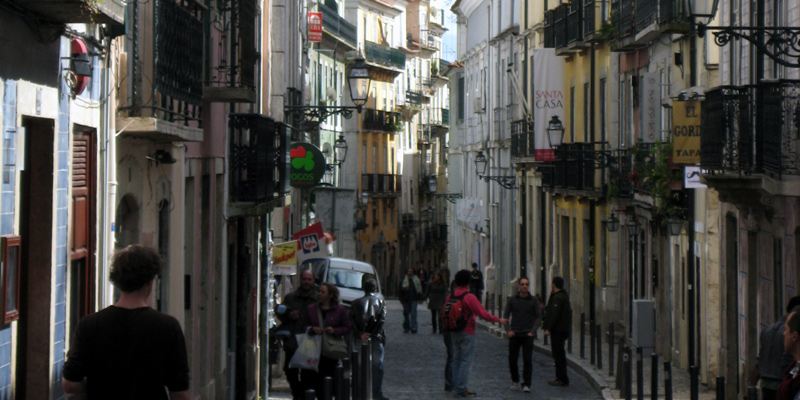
(448, 364)
(316, 379)
(557, 341)
(514, 344)
(435, 318)
(293, 375)
(768, 394)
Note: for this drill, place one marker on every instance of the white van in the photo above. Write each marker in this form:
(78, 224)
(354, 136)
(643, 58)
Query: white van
(347, 275)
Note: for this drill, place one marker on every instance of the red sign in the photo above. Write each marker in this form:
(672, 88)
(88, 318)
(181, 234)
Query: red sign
(314, 26)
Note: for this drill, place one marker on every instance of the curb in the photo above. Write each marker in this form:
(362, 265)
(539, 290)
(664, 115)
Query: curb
(595, 379)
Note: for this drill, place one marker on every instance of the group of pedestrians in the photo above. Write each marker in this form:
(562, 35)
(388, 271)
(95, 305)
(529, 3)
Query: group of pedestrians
(315, 310)
(778, 366)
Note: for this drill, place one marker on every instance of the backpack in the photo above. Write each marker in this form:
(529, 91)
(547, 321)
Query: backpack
(455, 313)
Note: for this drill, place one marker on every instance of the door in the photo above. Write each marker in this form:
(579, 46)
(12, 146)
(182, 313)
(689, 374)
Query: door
(81, 272)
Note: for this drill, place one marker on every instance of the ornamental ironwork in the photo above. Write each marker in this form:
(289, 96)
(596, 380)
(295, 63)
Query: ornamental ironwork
(258, 168)
(780, 43)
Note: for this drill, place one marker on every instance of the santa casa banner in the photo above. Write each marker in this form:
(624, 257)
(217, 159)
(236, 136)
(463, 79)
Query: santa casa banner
(548, 98)
(311, 243)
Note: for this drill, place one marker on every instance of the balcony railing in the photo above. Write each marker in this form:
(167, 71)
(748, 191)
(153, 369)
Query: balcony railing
(549, 29)
(522, 139)
(574, 22)
(337, 26)
(258, 147)
(414, 97)
(732, 143)
(619, 174)
(623, 16)
(381, 184)
(385, 55)
(574, 166)
(235, 82)
(588, 18)
(560, 14)
(79, 11)
(384, 121)
(445, 117)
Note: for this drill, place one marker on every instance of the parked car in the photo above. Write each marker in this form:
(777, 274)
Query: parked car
(348, 275)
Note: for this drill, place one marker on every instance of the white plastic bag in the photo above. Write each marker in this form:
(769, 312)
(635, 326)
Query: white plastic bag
(309, 348)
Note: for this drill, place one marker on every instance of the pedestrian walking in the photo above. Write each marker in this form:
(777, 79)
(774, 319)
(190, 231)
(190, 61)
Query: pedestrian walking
(772, 358)
(448, 345)
(437, 291)
(523, 311)
(129, 350)
(326, 317)
(410, 293)
(557, 324)
(293, 320)
(476, 282)
(461, 308)
(789, 389)
(369, 315)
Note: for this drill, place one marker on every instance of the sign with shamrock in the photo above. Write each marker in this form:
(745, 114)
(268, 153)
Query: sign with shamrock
(307, 165)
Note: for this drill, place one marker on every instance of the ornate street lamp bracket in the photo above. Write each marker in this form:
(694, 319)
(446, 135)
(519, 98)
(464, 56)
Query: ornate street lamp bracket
(450, 197)
(781, 43)
(506, 181)
(312, 116)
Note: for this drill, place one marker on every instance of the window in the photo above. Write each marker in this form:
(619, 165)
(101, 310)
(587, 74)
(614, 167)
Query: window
(364, 160)
(777, 277)
(602, 109)
(460, 99)
(586, 103)
(12, 262)
(572, 114)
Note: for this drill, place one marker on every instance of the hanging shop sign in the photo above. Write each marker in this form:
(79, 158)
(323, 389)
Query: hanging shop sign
(314, 26)
(306, 165)
(311, 242)
(686, 132)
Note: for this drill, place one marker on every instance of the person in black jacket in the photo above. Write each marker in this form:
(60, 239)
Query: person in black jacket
(369, 315)
(524, 311)
(557, 322)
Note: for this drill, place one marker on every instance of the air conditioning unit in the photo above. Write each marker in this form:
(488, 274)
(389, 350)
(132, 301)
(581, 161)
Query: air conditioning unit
(477, 105)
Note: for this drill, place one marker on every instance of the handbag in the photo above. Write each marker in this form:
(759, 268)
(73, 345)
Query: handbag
(307, 354)
(332, 346)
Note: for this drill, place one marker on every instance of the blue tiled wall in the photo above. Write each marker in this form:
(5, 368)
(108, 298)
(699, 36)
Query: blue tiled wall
(62, 185)
(7, 216)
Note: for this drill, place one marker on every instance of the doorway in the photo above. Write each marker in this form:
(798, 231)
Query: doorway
(730, 311)
(81, 271)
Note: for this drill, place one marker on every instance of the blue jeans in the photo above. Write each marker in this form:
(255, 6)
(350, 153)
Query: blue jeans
(463, 352)
(410, 316)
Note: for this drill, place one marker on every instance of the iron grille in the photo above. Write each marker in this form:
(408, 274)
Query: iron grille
(258, 158)
(623, 15)
(574, 166)
(588, 17)
(240, 31)
(178, 56)
(726, 130)
(376, 184)
(777, 144)
(646, 12)
(379, 120)
(549, 29)
(574, 23)
(522, 138)
(619, 174)
(336, 25)
(560, 25)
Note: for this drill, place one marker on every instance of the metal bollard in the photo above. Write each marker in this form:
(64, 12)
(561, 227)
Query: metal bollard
(310, 394)
(339, 380)
(654, 376)
(346, 389)
(592, 344)
(327, 388)
(546, 340)
(355, 376)
(611, 364)
(639, 374)
(752, 393)
(598, 330)
(366, 371)
(583, 336)
(720, 388)
(626, 373)
(667, 380)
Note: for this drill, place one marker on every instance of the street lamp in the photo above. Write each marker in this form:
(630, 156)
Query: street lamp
(555, 132)
(359, 81)
(633, 226)
(674, 225)
(481, 162)
(432, 184)
(612, 224)
(339, 150)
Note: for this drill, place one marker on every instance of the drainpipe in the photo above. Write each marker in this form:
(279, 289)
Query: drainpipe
(109, 182)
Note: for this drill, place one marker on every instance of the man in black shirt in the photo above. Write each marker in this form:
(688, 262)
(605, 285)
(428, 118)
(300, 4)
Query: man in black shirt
(129, 350)
(476, 282)
(523, 309)
(558, 324)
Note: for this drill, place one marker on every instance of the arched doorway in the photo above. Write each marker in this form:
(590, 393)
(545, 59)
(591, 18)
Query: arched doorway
(127, 221)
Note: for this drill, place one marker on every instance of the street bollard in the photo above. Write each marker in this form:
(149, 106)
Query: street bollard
(327, 388)
(355, 376)
(583, 336)
(339, 380)
(626, 373)
(752, 393)
(667, 380)
(654, 376)
(592, 354)
(546, 340)
(310, 394)
(611, 364)
(346, 389)
(639, 374)
(598, 330)
(720, 388)
(366, 371)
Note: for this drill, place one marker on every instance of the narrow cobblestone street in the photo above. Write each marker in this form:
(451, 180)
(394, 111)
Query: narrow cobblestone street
(414, 366)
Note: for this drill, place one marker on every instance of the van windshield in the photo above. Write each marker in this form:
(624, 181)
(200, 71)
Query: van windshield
(347, 278)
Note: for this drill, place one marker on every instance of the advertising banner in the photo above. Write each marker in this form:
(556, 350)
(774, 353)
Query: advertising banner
(686, 132)
(311, 243)
(314, 26)
(307, 165)
(651, 108)
(548, 98)
(284, 258)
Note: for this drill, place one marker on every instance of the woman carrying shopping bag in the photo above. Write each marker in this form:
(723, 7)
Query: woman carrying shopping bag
(332, 321)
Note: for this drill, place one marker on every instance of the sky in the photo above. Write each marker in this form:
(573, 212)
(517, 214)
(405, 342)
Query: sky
(449, 38)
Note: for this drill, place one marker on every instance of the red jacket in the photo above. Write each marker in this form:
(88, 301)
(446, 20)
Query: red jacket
(474, 306)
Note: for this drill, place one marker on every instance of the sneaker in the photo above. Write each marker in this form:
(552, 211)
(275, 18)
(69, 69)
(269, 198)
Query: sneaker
(557, 383)
(526, 389)
(515, 386)
(467, 393)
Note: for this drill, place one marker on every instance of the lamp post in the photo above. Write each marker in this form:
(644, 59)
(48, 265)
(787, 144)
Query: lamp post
(481, 162)
(555, 132)
(612, 223)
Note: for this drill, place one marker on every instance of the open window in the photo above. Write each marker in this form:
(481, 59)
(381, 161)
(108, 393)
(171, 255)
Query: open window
(11, 264)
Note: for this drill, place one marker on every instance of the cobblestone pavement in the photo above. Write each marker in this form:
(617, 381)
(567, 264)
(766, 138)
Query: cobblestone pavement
(414, 366)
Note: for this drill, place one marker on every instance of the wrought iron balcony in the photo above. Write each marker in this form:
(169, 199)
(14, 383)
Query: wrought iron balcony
(164, 101)
(638, 22)
(574, 22)
(732, 144)
(574, 166)
(588, 18)
(522, 139)
(560, 14)
(385, 62)
(620, 184)
(235, 82)
(623, 20)
(258, 147)
(549, 29)
(337, 27)
(446, 117)
(79, 11)
(382, 121)
(416, 97)
(381, 185)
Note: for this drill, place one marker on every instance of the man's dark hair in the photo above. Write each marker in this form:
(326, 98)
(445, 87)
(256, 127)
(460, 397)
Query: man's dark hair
(474, 265)
(133, 267)
(793, 302)
(793, 322)
(370, 285)
(558, 282)
(462, 278)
